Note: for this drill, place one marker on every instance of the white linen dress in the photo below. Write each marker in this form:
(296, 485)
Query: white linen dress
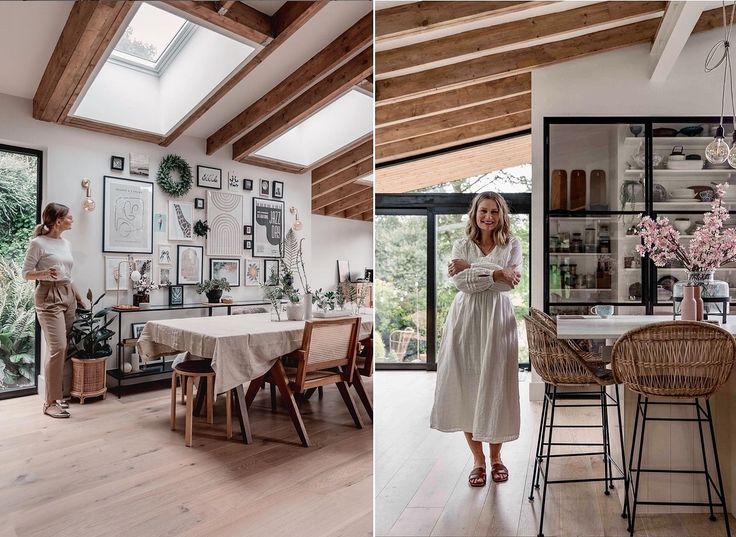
(477, 366)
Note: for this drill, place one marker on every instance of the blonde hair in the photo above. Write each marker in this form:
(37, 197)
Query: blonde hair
(51, 213)
(502, 233)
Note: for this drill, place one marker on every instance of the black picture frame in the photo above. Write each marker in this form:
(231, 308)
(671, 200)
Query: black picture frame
(247, 230)
(117, 163)
(176, 295)
(214, 260)
(247, 184)
(199, 203)
(268, 232)
(209, 177)
(248, 244)
(368, 275)
(277, 190)
(108, 246)
(271, 264)
(180, 250)
(265, 187)
(136, 329)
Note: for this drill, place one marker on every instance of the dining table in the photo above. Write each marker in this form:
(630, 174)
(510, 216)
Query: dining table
(611, 328)
(244, 349)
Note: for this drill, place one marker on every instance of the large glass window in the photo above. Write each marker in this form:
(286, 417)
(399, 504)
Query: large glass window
(19, 183)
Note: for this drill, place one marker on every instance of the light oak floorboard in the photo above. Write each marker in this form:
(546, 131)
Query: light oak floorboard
(421, 477)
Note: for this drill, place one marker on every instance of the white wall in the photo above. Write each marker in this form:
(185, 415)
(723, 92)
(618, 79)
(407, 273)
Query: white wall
(339, 238)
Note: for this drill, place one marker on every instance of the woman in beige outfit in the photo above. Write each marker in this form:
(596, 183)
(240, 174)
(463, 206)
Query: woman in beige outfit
(49, 260)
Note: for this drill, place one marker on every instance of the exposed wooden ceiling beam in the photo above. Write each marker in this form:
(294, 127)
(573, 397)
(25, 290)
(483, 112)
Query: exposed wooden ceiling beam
(453, 99)
(367, 85)
(348, 202)
(508, 63)
(345, 177)
(239, 18)
(419, 17)
(456, 118)
(367, 216)
(272, 164)
(482, 41)
(713, 18)
(88, 31)
(358, 210)
(349, 190)
(676, 26)
(342, 49)
(481, 130)
(224, 7)
(343, 161)
(286, 21)
(321, 94)
(114, 130)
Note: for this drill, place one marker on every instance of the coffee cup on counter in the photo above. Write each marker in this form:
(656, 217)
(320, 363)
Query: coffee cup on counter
(604, 311)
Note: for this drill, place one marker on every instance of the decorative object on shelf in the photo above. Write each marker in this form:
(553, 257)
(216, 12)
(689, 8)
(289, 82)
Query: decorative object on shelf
(164, 276)
(88, 204)
(265, 190)
(271, 271)
(143, 285)
(632, 192)
(636, 129)
(127, 216)
(635, 291)
(181, 217)
(247, 184)
(297, 225)
(577, 190)
(213, 289)
(170, 163)
(139, 164)
(659, 193)
(136, 329)
(233, 181)
(682, 194)
(664, 132)
(189, 261)
(667, 283)
(247, 244)
(199, 203)
(689, 305)
(247, 230)
(292, 257)
(201, 228)
(598, 191)
(343, 271)
(253, 273)
(278, 190)
(682, 224)
(117, 163)
(558, 198)
(117, 273)
(685, 164)
(268, 227)
(176, 295)
(165, 254)
(159, 223)
(225, 216)
(639, 158)
(209, 177)
(227, 269)
(692, 130)
(706, 195)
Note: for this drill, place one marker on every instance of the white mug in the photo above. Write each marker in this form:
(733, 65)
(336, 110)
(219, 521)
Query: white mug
(602, 311)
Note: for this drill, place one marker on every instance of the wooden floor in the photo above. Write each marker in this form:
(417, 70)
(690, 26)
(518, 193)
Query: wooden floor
(421, 478)
(116, 469)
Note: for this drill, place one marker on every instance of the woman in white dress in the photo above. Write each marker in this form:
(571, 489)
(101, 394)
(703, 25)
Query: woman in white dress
(477, 389)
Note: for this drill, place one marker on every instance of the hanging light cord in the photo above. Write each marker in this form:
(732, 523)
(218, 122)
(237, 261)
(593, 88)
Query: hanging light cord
(725, 57)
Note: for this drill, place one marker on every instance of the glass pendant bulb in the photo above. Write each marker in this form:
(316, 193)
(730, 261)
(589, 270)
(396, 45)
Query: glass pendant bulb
(732, 153)
(717, 151)
(89, 205)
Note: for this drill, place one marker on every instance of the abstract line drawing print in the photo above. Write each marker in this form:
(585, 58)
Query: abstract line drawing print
(225, 218)
(128, 222)
(180, 221)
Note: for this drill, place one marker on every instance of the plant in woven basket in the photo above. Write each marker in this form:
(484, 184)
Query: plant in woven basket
(201, 228)
(175, 189)
(89, 335)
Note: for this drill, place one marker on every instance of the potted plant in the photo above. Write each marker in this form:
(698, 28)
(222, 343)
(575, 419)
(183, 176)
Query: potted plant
(294, 310)
(293, 261)
(213, 289)
(89, 348)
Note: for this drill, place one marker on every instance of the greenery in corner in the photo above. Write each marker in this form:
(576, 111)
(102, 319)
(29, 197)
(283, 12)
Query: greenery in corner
(201, 228)
(17, 327)
(216, 284)
(90, 334)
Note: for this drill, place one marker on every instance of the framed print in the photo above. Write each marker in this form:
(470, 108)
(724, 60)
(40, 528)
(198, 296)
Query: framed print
(233, 181)
(247, 230)
(226, 268)
(247, 244)
(369, 275)
(164, 276)
(268, 227)
(253, 273)
(181, 221)
(209, 177)
(264, 188)
(176, 295)
(278, 190)
(137, 328)
(165, 254)
(127, 216)
(199, 203)
(144, 265)
(159, 223)
(116, 271)
(271, 271)
(225, 218)
(247, 184)
(189, 261)
(117, 163)
(343, 271)
(139, 164)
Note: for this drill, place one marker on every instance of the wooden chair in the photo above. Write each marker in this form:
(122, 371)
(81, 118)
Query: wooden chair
(682, 360)
(364, 368)
(399, 340)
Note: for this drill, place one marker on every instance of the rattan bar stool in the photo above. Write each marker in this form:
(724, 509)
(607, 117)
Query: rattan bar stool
(561, 364)
(190, 370)
(681, 360)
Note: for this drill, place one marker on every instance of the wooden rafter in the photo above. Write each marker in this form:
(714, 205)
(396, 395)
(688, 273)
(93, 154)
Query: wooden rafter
(359, 210)
(456, 118)
(348, 202)
(342, 161)
(481, 130)
(481, 41)
(88, 31)
(273, 164)
(339, 51)
(345, 177)
(418, 17)
(349, 190)
(321, 94)
(238, 18)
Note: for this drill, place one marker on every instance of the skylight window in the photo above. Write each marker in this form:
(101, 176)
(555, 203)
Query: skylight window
(151, 39)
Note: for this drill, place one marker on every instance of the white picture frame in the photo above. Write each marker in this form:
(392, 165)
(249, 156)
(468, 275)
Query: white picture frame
(181, 220)
(226, 268)
(127, 216)
(253, 272)
(165, 255)
(189, 262)
(164, 276)
(112, 266)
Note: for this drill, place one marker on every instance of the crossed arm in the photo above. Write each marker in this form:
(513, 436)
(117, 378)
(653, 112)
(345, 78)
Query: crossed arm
(484, 275)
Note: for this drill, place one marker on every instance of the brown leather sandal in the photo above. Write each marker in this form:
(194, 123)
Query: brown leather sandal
(477, 477)
(499, 472)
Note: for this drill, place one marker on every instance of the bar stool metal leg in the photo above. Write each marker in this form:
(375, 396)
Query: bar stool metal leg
(625, 512)
(538, 452)
(604, 437)
(546, 464)
(608, 439)
(722, 493)
(638, 463)
(705, 459)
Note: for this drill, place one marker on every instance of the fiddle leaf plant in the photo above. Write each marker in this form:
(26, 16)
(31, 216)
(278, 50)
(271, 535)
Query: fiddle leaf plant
(89, 335)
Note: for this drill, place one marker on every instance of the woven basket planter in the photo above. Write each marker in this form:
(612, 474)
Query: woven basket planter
(89, 378)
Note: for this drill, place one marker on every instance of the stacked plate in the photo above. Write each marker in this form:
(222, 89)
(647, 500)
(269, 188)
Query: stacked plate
(683, 194)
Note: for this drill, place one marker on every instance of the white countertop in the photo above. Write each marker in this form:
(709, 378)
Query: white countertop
(593, 327)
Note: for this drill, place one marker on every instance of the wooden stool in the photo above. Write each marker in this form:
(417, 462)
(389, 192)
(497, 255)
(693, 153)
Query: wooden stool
(188, 371)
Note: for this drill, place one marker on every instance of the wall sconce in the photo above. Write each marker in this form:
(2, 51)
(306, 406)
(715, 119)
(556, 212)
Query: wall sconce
(88, 204)
(297, 226)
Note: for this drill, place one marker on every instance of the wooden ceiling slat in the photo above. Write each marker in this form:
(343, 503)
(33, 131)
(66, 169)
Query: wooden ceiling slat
(239, 18)
(114, 130)
(509, 63)
(292, 16)
(345, 177)
(336, 195)
(358, 210)
(456, 118)
(713, 18)
(419, 17)
(481, 41)
(349, 202)
(467, 133)
(339, 51)
(453, 99)
(272, 164)
(321, 94)
(342, 161)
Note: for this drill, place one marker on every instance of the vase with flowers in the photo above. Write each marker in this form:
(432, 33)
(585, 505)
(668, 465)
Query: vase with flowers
(712, 246)
(142, 289)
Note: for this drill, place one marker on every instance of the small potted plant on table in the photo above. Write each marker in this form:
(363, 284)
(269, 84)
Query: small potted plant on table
(213, 289)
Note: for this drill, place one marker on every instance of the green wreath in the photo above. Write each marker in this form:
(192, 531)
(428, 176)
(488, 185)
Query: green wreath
(163, 177)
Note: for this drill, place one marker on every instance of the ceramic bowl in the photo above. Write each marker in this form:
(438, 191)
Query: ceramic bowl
(664, 131)
(693, 130)
(682, 224)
